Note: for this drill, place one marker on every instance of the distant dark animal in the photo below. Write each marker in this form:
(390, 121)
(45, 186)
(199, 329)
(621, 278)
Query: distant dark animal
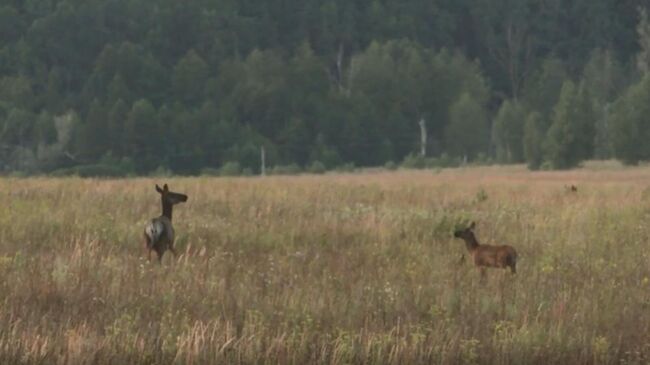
(485, 256)
(571, 188)
(159, 233)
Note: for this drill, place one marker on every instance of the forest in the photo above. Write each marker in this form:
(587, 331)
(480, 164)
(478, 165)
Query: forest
(134, 87)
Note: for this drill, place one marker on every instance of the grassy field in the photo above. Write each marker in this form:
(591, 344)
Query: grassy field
(334, 269)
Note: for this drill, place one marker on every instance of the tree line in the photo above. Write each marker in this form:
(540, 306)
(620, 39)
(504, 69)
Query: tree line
(140, 86)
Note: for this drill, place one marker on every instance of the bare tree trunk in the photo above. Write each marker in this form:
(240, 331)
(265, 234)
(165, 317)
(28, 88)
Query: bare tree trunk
(339, 66)
(515, 55)
(423, 138)
(263, 158)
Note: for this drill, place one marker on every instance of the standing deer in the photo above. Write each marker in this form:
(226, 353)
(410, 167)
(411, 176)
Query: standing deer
(159, 233)
(571, 188)
(487, 255)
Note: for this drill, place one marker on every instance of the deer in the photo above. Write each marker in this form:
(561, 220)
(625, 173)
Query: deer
(159, 232)
(571, 188)
(502, 256)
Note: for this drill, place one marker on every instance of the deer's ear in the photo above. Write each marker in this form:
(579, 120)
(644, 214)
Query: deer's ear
(166, 187)
(472, 225)
(158, 189)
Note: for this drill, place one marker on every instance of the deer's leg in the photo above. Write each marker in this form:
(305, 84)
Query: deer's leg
(511, 262)
(160, 253)
(171, 248)
(147, 246)
(483, 272)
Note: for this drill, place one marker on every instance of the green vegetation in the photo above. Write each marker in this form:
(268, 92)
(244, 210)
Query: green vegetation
(328, 269)
(186, 86)
(570, 137)
(532, 140)
(631, 129)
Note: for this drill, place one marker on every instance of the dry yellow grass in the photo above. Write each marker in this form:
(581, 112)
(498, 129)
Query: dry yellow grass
(333, 269)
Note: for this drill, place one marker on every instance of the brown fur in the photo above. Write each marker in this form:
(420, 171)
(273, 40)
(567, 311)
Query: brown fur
(485, 256)
(159, 232)
(571, 188)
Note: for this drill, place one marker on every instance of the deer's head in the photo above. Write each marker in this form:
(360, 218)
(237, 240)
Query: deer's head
(466, 233)
(170, 197)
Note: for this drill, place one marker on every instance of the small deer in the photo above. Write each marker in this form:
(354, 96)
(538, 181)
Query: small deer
(571, 188)
(159, 233)
(487, 255)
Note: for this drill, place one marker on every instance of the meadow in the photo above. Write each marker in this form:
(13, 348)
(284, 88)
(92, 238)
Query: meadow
(329, 269)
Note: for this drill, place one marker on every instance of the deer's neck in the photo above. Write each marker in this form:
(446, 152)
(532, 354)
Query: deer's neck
(167, 210)
(471, 243)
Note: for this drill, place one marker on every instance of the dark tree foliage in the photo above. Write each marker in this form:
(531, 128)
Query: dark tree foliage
(533, 138)
(630, 128)
(570, 139)
(188, 85)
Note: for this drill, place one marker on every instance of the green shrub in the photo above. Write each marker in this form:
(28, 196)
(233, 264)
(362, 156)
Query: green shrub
(448, 161)
(291, 169)
(231, 168)
(162, 171)
(346, 167)
(92, 170)
(390, 165)
(412, 161)
(70, 171)
(316, 167)
(481, 195)
(209, 171)
(482, 159)
(99, 170)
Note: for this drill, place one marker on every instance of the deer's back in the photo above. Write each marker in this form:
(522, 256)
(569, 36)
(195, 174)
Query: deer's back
(494, 256)
(159, 231)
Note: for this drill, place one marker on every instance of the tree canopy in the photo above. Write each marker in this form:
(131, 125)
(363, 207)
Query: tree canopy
(185, 86)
